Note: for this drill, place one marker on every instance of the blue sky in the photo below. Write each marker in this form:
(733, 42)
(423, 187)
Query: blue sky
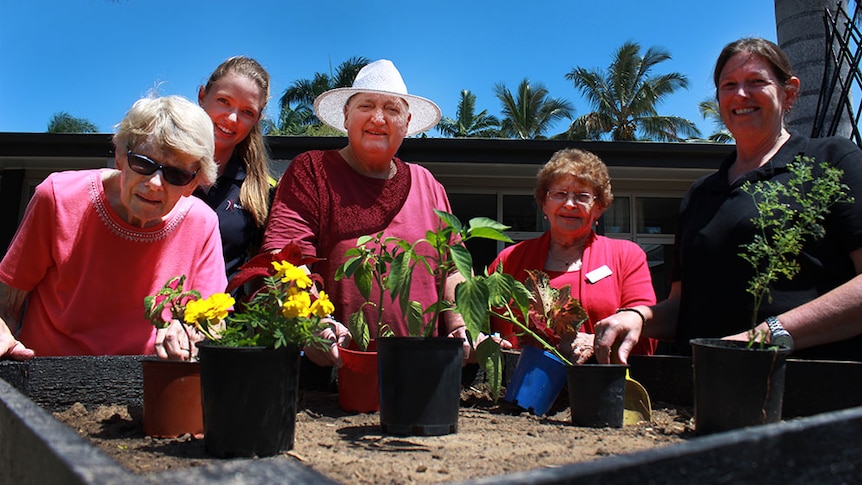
(94, 58)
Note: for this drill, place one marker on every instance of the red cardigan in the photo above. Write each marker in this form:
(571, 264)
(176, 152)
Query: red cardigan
(628, 285)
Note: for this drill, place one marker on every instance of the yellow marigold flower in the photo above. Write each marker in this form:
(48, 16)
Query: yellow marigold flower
(322, 306)
(296, 305)
(290, 273)
(211, 310)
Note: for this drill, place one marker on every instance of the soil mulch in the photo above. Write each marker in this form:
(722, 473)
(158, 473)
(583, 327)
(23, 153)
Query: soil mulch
(492, 439)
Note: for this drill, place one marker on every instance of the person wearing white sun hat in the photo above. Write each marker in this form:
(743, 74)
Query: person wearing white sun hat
(383, 78)
(327, 199)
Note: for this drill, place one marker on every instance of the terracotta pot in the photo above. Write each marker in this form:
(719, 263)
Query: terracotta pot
(172, 398)
(358, 383)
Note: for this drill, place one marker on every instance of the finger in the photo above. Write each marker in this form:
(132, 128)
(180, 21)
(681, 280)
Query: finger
(20, 352)
(160, 351)
(468, 352)
(319, 357)
(335, 355)
(624, 351)
(602, 351)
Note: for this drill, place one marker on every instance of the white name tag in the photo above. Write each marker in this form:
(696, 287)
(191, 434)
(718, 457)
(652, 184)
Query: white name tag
(599, 273)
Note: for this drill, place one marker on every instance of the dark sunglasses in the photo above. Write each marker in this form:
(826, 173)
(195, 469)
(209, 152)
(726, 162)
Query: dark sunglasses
(147, 166)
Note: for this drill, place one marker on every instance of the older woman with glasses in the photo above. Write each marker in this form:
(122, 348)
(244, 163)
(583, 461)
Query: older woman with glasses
(94, 243)
(606, 275)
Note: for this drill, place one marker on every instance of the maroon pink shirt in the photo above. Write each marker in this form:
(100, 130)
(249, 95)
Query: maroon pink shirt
(324, 205)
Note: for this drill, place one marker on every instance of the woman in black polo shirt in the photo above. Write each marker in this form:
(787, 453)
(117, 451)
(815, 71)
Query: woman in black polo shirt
(235, 96)
(821, 307)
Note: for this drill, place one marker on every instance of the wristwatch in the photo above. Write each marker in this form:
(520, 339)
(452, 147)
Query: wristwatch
(779, 336)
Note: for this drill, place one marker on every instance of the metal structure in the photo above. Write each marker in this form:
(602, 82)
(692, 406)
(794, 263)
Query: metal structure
(835, 112)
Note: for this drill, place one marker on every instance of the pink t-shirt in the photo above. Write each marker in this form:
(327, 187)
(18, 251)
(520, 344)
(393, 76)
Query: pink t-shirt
(323, 205)
(87, 272)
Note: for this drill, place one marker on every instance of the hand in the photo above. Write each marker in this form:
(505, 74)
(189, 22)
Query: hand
(743, 336)
(618, 332)
(338, 336)
(578, 347)
(469, 354)
(12, 348)
(177, 342)
(461, 332)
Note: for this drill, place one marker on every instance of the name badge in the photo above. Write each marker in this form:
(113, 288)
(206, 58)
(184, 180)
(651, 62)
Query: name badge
(599, 274)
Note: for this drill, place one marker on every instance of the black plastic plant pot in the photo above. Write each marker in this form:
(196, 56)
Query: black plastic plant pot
(736, 386)
(420, 385)
(249, 399)
(597, 394)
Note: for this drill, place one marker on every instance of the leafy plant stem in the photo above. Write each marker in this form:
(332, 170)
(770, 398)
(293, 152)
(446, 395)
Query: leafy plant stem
(508, 317)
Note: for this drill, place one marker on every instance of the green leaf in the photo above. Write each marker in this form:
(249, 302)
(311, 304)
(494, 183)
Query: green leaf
(501, 288)
(348, 268)
(488, 233)
(481, 222)
(462, 259)
(471, 302)
(361, 240)
(450, 220)
(363, 279)
(490, 357)
(415, 318)
(400, 274)
(359, 329)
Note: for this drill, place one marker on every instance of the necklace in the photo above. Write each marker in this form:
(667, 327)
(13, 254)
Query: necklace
(569, 262)
(570, 265)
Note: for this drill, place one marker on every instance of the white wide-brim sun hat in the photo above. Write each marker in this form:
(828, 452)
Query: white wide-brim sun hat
(380, 76)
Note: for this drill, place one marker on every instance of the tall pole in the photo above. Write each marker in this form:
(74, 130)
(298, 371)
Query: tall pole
(802, 35)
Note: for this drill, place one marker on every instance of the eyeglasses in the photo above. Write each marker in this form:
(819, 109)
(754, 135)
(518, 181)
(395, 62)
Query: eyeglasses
(583, 198)
(147, 166)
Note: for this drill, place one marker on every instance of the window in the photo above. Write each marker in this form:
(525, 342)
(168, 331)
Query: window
(468, 206)
(657, 215)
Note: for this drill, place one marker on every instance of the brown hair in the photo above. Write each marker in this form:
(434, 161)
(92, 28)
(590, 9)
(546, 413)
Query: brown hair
(770, 52)
(254, 194)
(585, 166)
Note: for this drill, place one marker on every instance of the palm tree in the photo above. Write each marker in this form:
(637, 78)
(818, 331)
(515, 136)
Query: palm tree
(709, 110)
(532, 112)
(468, 124)
(303, 91)
(624, 99)
(290, 122)
(63, 122)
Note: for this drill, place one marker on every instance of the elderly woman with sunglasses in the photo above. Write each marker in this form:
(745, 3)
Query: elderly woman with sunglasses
(94, 243)
(606, 275)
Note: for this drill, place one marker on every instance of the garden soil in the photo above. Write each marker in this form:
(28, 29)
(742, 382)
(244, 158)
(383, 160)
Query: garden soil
(492, 439)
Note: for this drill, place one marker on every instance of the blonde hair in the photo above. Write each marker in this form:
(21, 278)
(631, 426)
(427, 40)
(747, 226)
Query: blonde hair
(584, 166)
(171, 123)
(254, 193)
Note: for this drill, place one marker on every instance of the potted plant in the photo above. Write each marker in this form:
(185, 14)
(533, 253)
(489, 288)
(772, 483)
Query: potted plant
(741, 384)
(420, 375)
(542, 314)
(368, 265)
(250, 364)
(172, 390)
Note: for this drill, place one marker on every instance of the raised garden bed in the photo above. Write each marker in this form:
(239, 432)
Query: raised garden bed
(36, 448)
